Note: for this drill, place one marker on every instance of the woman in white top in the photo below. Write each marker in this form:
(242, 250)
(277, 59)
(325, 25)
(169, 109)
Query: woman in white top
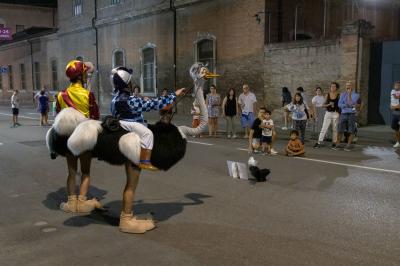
(318, 110)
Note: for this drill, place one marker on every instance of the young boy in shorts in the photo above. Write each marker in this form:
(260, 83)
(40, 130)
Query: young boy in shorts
(267, 126)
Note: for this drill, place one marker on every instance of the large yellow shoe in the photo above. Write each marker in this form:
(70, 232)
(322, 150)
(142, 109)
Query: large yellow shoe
(130, 224)
(85, 206)
(147, 166)
(70, 205)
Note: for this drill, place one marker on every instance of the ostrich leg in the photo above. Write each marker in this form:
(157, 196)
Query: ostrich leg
(129, 223)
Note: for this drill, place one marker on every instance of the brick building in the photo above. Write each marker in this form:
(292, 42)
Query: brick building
(266, 43)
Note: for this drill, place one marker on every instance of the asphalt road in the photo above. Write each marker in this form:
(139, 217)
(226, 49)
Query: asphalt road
(330, 208)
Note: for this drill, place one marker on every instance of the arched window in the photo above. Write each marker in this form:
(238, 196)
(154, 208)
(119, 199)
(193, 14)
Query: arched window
(118, 58)
(148, 77)
(206, 54)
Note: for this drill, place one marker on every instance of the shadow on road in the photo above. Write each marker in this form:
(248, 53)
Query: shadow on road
(54, 199)
(161, 211)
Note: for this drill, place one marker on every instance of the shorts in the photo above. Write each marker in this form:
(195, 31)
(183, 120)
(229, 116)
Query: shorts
(15, 111)
(347, 123)
(395, 122)
(266, 139)
(247, 120)
(43, 111)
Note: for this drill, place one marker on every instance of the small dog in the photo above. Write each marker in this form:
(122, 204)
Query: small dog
(260, 175)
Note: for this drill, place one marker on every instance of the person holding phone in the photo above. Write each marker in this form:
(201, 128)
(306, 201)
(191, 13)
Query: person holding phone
(331, 117)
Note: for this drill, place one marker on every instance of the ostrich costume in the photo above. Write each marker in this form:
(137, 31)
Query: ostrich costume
(109, 142)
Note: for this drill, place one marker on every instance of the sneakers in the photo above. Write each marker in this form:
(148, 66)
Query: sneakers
(273, 152)
(335, 147)
(397, 145)
(317, 145)
(229, 136)
(284, 128)
(348, 148)
(234, 136)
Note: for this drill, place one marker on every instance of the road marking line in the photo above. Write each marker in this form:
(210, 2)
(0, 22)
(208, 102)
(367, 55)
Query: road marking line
(343, 164)
(350, 165)
(201, 143)
(33, 114)
(26, 117)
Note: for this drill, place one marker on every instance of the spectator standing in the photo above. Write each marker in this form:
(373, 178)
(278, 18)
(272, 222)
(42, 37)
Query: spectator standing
(267, 126)
(349, 102)
(43, 108)
(318, 110)
(15, 108)
(303, 94)
(331, 117)
(136, 91)
(247, 106)
(256, 131)
(213, 101)
(164, 92)
(300, 115)
(230, 110)
(286, 98)
(395, 107)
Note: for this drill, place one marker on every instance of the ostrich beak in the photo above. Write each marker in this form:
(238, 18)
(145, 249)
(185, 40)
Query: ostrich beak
(210, 75)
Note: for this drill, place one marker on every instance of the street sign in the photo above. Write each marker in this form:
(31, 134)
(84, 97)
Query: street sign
(5, 34)
(3, 69)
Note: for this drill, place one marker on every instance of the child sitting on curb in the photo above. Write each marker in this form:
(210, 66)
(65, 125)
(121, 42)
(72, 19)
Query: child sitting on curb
(295, 147)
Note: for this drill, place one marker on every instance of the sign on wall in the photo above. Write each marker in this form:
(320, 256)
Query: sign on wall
(5, 34)
(3, 69)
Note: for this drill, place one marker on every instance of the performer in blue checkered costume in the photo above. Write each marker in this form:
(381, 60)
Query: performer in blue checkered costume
(130, 108)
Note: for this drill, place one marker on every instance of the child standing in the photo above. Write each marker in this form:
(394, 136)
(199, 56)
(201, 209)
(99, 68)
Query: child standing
(15, 108)
(267, 132)
(299, 114)
(295, 147)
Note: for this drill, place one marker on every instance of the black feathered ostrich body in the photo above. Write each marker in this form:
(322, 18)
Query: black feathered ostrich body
(73, 132)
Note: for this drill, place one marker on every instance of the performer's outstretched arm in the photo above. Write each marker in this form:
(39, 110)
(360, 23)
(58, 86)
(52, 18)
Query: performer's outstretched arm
(138, 105)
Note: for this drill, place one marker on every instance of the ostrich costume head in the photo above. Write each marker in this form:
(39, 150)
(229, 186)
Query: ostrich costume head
(115, 145)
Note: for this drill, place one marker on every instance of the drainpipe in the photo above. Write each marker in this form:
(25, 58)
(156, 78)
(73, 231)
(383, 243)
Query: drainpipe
(173, 9)
(32, 64)
(97, 52)
(325, 15)
(280, 21)
(295, 22)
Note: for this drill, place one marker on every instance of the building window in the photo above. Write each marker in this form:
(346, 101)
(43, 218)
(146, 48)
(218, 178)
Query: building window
(205, 53)
(118, 58)
(54, 76)
(115, 2)
(148, 78)
(37, 76)
(23, 76)
(19, 28)
(77, 7)
(10, 78)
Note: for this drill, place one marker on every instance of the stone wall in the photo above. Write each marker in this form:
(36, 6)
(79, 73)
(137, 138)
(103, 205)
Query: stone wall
(317, 63)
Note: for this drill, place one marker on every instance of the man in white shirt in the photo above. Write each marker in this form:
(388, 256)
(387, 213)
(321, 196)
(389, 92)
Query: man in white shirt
(247, 107)
(15, 108)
